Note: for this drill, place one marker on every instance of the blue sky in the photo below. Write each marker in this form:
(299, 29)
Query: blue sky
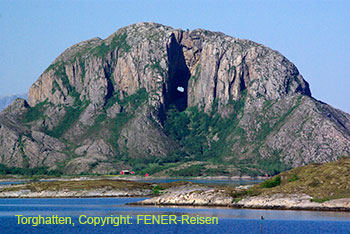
(314, 35)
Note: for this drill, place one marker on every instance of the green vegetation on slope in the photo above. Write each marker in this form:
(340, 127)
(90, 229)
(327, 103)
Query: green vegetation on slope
(72, 112)
(71, 116)
(118, 41)
(4, 170)
(321, 181)
(194, 130)
(35, 113)
(275, 181)
(211, 137)
(81, 185)
(128, 104)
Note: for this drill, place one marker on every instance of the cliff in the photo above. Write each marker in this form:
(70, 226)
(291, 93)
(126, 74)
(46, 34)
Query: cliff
(153, 94)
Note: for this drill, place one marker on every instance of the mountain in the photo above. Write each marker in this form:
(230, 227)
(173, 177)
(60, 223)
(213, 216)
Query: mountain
(7, 100)
(162, 100)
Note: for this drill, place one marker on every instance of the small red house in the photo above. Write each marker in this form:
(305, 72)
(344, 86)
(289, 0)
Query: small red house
(125, 172)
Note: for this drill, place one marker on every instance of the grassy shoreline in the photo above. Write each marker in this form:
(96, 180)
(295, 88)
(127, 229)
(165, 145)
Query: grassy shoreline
(312, 187)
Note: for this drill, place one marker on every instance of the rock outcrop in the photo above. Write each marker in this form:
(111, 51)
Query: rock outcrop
(192, 194)
(25, 147)
(5, 101)
(103, 103)
(212, 197)
(294, 202)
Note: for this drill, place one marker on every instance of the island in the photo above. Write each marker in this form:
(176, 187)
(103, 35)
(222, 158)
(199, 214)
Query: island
(319, 187)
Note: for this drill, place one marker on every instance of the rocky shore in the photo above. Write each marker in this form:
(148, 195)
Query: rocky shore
(26, 193)
(188, 194)
(216, 197)
(293, 202)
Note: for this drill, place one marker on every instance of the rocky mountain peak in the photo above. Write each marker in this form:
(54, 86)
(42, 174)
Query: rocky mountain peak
(140, 55)
(161, 94)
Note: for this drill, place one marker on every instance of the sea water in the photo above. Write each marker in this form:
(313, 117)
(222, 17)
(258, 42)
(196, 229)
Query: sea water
(244, 221)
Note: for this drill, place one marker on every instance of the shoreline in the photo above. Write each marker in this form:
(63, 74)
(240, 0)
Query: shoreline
(235, 206)
(186, 205)
(176, 194)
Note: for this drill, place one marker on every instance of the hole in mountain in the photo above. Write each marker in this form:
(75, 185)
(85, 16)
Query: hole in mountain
(179, 74)
(180, 89)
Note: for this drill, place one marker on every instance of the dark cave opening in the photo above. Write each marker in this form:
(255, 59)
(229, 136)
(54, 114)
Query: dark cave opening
(178, 76)
(110, 87)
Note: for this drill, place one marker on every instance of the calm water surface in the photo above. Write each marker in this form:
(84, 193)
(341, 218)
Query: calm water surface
(230, 220)
(12, 182)
(201, 181)
(204, 181)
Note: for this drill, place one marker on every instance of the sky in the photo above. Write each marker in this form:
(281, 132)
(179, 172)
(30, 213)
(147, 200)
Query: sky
(314, 35)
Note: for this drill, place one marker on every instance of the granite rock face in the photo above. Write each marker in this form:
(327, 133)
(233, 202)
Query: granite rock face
(211, 197)
(104, 100)
(195, 195)
(25, 147)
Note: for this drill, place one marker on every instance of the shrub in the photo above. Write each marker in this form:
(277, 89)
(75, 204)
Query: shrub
(35, 113)
(272, 182)
(157, 190)
(4, 170)
(194, 170)
(319, 200)
(216, 171)
(294, 178)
